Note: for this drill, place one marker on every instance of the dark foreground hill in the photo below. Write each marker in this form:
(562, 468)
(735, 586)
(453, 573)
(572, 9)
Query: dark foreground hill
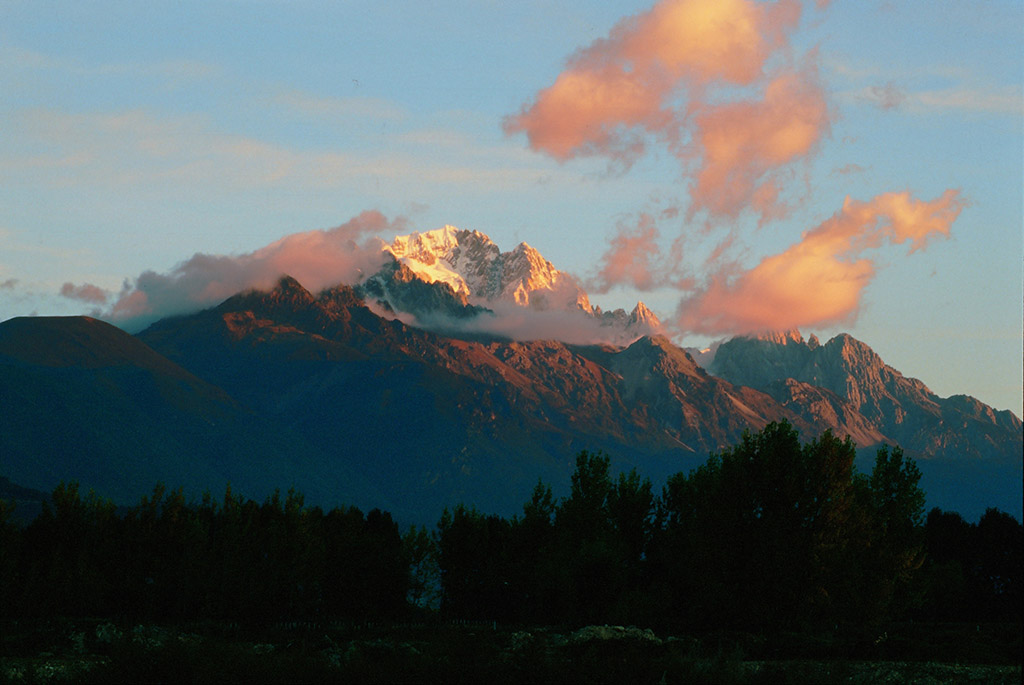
(284, 388)
(84, 400)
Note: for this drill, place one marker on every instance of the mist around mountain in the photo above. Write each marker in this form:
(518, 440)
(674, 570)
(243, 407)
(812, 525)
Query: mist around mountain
(338, 395)
(459, 282)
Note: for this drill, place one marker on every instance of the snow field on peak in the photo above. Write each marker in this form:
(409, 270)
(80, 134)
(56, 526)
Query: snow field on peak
(472, 264)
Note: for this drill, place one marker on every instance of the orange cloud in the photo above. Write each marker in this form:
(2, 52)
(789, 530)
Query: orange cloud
(819, 280)
(741, 143)
(702, 41)
(631, 258)
(317, 259)
(621, 87)
(590, 111)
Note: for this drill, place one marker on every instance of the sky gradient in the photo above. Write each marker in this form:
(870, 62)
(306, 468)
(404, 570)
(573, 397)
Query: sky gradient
(835, 166)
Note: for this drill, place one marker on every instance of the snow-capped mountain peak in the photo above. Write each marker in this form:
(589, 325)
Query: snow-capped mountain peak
(472, 264)
(442, 255)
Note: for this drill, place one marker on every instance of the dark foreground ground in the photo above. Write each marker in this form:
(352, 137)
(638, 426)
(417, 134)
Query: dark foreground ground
(105, 652)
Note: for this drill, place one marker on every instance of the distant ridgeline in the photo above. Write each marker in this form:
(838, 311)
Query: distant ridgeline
(768, 535)
(332, 394)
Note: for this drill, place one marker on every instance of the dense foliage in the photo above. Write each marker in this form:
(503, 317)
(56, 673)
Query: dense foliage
(168, 559)
(768, 535)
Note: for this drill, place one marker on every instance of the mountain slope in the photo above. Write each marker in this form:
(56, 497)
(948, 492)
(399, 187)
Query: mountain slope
(84, 400)
(279, 388)
(901, 408)
(575, 388)
(436, 417)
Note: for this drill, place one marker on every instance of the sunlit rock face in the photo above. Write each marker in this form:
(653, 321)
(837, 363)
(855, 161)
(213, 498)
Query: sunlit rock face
(479, 273)
(396, 288)
(472, 264)
(899, 408)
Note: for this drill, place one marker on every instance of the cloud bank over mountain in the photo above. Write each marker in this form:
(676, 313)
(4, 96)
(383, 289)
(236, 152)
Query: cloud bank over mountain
(317, 258)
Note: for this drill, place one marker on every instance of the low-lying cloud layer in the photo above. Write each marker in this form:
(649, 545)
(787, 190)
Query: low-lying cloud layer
(515, 322)
(317, 259)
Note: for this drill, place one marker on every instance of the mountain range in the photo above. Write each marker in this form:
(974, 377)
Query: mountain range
(404, 392)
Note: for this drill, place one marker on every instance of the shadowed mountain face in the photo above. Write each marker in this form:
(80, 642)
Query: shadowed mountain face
(84, 400)
(438, 419)
(284, 388)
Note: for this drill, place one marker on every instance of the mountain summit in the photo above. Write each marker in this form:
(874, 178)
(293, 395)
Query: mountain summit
(471, 264)
(467, 275)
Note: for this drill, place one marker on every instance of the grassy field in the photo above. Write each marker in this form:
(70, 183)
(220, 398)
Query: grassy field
(102, 652)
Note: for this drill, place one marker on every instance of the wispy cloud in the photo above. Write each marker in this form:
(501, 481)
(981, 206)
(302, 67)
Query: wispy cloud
(87, 292)
(18, 242)
(888, 96)
(139, 149)
(914, 90)
(338, 108)
(172, 72)
(999, 100)
(633, 258)
(1005, 100)
(848, 170)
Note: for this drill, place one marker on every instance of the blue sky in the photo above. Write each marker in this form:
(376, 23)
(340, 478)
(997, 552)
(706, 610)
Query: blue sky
(136, 134)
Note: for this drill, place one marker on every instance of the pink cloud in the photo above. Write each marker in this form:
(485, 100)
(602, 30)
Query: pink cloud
(819, 280)
(701, 41)
(659, 75)
(86, 292)
(317, 259)
(590, 112)
(631, 259)
(622, 86)
(741, 143)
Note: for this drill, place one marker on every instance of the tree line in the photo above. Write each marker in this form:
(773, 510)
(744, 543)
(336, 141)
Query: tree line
(235, 560)
(768, 534)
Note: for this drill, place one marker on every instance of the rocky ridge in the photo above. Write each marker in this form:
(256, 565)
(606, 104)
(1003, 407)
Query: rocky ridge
(321, 391)
(846, 376)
